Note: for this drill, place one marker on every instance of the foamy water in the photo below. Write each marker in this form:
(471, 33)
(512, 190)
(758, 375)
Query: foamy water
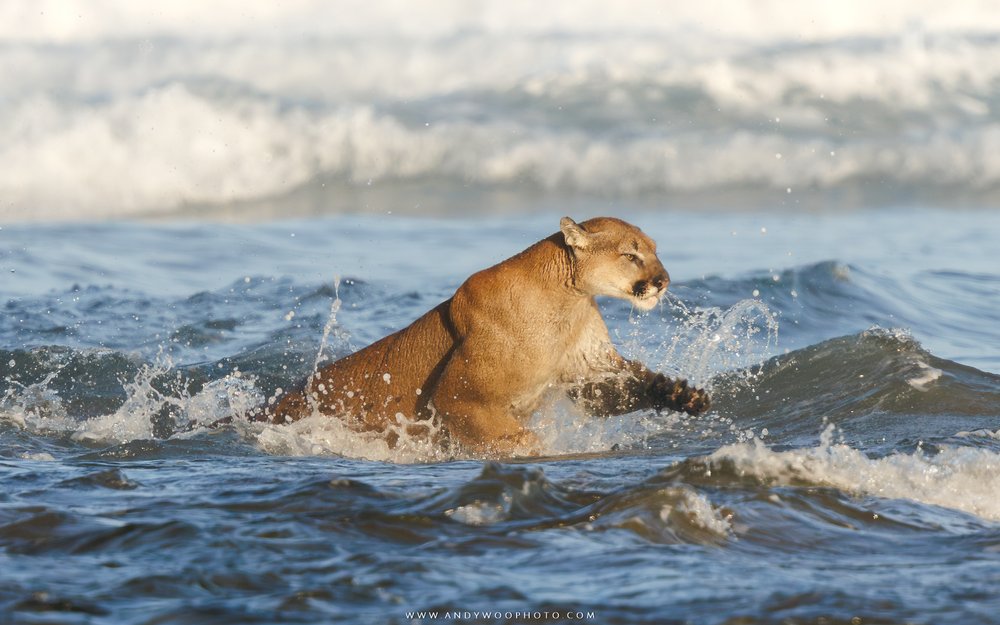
(112, 110)
(960, 478)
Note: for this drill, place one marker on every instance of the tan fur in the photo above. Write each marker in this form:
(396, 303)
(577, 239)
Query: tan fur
(485, 359)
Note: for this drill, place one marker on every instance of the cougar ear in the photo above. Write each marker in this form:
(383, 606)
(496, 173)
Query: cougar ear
(576, 236)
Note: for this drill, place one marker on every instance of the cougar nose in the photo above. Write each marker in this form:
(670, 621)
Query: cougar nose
(661, 281)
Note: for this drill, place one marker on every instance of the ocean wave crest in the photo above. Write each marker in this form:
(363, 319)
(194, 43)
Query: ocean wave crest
(960, 478)
(114, 114)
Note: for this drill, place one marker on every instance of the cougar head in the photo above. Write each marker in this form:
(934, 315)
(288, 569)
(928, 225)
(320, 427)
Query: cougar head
(616, 259)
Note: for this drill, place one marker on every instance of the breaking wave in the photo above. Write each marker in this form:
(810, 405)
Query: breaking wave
(118, 115)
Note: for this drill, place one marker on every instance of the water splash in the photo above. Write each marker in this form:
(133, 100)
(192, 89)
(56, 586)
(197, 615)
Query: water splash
(712, 340)
(234, 395)
(321, 435)
(563, 428)
(157, 404)
(34, 406)
(136, 418)
(321, 356)
(708, 342)
(328, 328)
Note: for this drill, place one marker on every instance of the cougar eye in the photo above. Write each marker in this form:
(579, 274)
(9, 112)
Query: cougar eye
(632, 258)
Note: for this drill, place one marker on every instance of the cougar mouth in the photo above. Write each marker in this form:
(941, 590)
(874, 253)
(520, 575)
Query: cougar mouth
(645, 295)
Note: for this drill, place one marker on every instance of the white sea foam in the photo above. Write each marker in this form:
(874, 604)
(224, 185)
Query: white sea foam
(700, 511)
(322, 435)
(961, 478)
(41, 456)
(482, 512)
(921, 381)
(35, 406)
(179, 148)
(114, 110)
(983, 433)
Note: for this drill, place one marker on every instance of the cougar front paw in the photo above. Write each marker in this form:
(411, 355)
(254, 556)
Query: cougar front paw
(695, 401)
(677, 395)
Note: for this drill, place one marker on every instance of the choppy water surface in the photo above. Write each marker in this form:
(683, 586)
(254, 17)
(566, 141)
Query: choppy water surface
(849, 469)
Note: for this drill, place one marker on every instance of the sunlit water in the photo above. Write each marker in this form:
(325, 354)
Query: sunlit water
(849, 467)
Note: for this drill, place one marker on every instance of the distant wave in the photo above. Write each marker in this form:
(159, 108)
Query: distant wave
(114, 114)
